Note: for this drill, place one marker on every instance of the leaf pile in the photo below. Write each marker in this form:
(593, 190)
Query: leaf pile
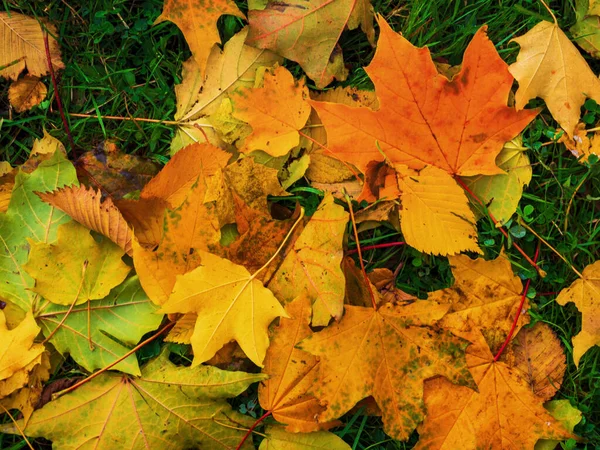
(208, 255)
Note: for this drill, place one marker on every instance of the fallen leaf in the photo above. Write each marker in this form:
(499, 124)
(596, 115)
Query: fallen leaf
(549, 66)
(17, 352)
(76, 268)
(501, 193)
(307, 32)
(102, 332)
(435, 216)
(29, 217)
(188, 229)
(86, 207)
(279, 439)
(586, 31)
(171, 407)
(198, 23)
(487, 293)
(538, 357)
(312, 265)
(387, 354)
(26, 93)
(231, 305)
(459, 127)
(580, 145)
(585, 293)
(292, 373)
(502, 413)
(23, 42)
(7, 182)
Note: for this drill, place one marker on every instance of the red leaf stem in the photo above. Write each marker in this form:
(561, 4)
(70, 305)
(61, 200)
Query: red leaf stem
(372, 247)
(251, 429)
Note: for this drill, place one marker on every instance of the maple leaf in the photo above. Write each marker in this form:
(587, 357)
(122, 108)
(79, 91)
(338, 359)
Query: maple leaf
(29, 217)
(292, 372)
(170, 407)
(87, 208)
(313, 264)
(75, 268)
(503, 413)
(26, 93)
(231, 305)
(307, 32)
(277, 438)
(191, 227)
(277, 112)
(537, 354)
(502, 192)
(386, 353)
(549, 66)
(18, 353)
(459, 127)
(585, 293)
(198, 23)
(485, 292)
(100, 333)
(23, 41)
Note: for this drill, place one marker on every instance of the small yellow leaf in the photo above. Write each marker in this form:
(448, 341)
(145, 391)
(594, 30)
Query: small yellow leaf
(231, 305)
(26, 93)
(76, 268)
(435, 216)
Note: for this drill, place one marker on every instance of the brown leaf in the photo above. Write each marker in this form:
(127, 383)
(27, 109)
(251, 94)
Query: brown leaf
(26, 93)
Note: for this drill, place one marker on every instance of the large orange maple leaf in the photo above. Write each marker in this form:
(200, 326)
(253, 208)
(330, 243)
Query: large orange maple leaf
(424, 118)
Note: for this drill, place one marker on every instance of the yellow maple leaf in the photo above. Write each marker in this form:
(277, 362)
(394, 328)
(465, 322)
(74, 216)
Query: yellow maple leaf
(585, 293)
(76, 268)
(231, 305)
(549, 66)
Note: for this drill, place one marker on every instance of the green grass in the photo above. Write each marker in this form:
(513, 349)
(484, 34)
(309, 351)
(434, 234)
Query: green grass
(117, 64)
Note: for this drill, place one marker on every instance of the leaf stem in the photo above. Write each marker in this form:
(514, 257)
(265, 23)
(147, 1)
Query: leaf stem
(56, 92)
(251, 429)
(360, 258)
(164, 329)
(501, 227)
(516, 319)
(374, 246)
(17, 426)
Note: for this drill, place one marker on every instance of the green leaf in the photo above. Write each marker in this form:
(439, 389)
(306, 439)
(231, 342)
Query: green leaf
(28, 217)
(116, 324)
(279, 439)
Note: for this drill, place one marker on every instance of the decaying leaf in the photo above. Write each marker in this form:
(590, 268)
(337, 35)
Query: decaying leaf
(566, 414)
(312, 266)
(26, 93)
(585, 293)
(198, 23)
(231, 305)
(22, 45)
(386, 354)
(292, 373)
(501, 413)
(538, 357)
(586, 31)
(485, 292)
(75, 268)
(170, 407)
(549, 66)
(86, 207)
(277, 112)
(307, 32)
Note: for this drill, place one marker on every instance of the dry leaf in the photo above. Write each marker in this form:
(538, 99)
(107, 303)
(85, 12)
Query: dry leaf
(26, 93)
(23, 41)
(279, 439)
(86, 207)
(388, 354)
(585, 293)
(549, 66)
